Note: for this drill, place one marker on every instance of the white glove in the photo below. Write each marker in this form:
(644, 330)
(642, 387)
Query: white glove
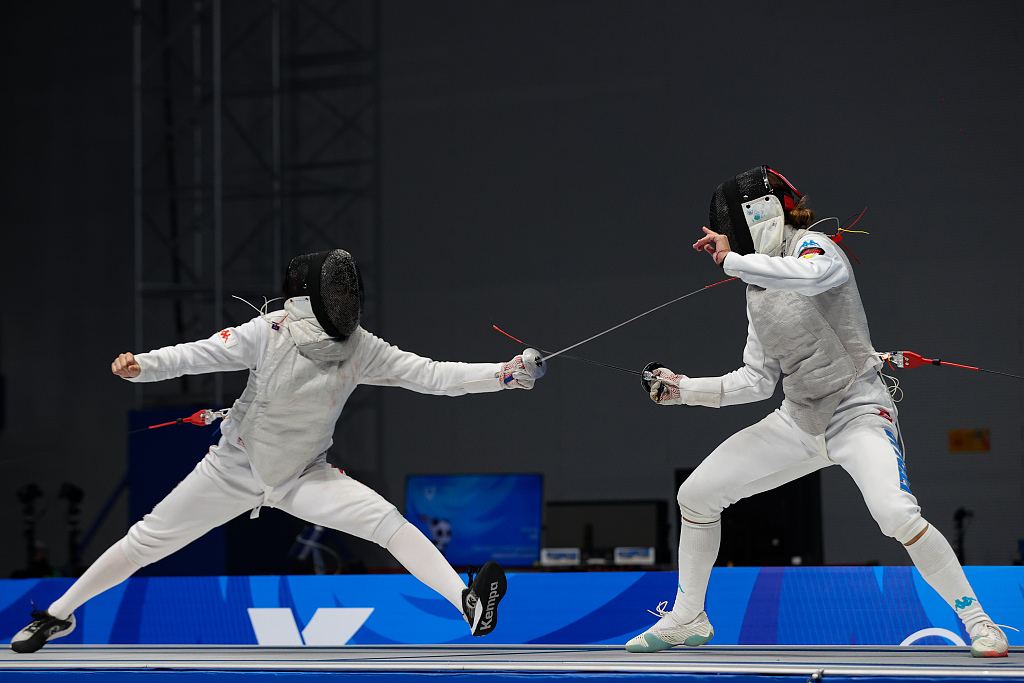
(666, 392)
(514, 375)
(672, 389)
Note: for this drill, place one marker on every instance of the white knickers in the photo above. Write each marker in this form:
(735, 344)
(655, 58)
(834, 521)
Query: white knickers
(223, 486)
(775, 451)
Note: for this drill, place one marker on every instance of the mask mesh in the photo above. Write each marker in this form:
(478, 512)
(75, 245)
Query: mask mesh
(296, 279)
(718, 214)
(337, 302)
(339, 290)
(750, 185)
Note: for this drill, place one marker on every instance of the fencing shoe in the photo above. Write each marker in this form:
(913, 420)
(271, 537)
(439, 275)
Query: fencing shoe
(988, 640)
(480, 600)
(668, 632)
(42, 630)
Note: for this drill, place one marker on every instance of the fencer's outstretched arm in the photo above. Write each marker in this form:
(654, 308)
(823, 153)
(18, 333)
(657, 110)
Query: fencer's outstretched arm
(814, 267)
(234, 348)
(383, 364)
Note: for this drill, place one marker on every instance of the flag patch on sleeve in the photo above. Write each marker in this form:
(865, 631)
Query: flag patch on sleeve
(810, 250)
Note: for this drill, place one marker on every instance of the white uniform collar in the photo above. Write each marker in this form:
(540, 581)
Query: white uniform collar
(310, 338)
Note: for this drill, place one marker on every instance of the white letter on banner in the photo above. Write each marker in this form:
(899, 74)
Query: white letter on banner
(940, 632)
(274, 626)
(335, 625)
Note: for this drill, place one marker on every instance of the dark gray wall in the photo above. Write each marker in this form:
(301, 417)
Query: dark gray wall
(67, 272)
(546, 167)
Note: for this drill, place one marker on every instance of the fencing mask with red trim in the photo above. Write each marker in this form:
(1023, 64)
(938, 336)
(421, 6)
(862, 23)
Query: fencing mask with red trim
(750, 211)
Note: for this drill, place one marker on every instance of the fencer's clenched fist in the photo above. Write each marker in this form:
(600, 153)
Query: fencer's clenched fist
(665, 389)
(125, 366)
(515, 375)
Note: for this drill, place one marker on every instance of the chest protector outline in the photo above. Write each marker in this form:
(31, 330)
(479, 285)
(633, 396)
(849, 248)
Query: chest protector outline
(287, 413)
(822, 343)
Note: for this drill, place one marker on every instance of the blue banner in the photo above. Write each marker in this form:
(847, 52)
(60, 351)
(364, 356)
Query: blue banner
(472, 518)
(747, 606)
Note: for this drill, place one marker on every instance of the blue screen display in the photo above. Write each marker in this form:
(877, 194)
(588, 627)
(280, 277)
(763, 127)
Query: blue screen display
(474, 518)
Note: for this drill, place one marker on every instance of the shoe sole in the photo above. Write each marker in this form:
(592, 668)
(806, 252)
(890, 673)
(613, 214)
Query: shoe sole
(645, 643)
(991, 648)
(489, 587)
(648, 642)
(695, 641)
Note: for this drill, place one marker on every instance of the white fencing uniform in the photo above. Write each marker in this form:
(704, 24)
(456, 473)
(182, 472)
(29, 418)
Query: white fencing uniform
(274, 440)
(859, 434)
(837, 410)
(273, 447)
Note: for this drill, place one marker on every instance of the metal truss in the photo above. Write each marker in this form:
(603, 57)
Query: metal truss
(257, 137)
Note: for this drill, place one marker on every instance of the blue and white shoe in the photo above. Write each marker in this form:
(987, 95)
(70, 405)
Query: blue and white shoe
(668, 632)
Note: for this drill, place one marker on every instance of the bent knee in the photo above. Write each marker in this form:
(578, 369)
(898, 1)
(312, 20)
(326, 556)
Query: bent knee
(911, 530)
(389, 525)
(903, 525)
(898, 517)
(693, 509)
(695, 505)
(143, 547)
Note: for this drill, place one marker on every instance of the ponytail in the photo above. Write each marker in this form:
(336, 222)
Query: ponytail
(800, 216)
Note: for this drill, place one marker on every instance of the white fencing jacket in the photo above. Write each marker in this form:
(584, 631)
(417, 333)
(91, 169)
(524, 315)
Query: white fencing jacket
(299, 380)
(805, 323)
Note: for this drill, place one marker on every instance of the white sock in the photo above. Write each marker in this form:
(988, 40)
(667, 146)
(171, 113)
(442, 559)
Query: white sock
(426, 563)
(935, 559)
(698, 549)
(110, 569)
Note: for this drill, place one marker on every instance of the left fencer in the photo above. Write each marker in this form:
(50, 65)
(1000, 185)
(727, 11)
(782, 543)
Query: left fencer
(303, 364)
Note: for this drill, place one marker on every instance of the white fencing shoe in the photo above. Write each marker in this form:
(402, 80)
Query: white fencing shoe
(668, 632)
(988, 640)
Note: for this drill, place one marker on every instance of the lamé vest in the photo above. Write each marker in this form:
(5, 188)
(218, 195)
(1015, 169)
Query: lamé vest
(822, 342)
(286, 415)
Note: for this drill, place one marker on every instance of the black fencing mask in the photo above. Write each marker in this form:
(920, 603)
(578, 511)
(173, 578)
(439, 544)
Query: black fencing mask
(750, 211)
(331, 281)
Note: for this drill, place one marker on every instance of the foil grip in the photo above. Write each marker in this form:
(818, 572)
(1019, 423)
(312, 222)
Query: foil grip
(647, 376)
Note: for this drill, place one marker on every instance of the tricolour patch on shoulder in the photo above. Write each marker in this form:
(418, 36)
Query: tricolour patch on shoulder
(810, 249)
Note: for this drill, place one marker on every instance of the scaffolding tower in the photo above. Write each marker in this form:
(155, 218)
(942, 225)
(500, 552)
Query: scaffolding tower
(257, 137)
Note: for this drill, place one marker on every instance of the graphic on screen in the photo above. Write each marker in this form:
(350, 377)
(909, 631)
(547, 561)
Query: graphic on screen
(475, 518)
